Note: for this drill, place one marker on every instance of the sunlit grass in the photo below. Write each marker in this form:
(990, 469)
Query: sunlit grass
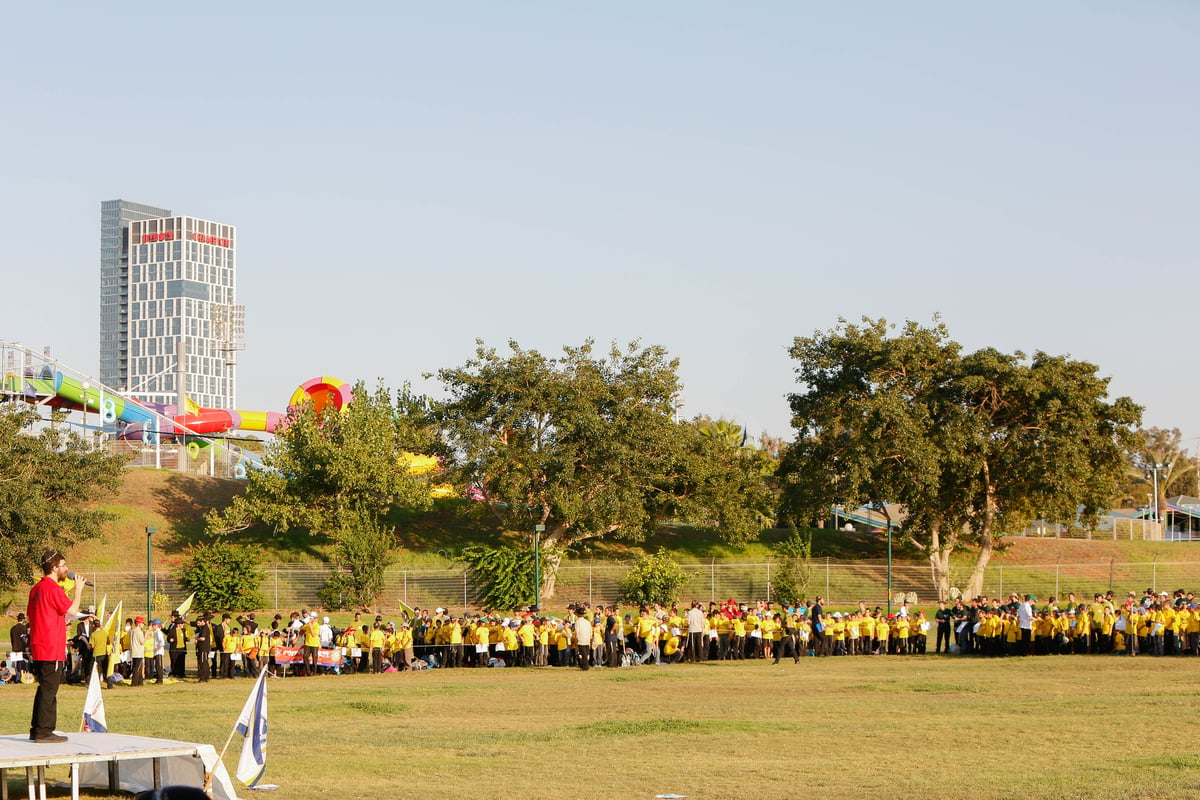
(840, 728)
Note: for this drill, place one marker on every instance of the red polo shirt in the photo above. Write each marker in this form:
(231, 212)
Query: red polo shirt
(48, 604)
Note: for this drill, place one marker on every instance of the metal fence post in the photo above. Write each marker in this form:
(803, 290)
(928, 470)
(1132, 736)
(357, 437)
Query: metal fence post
(827, 579)
(768, 580)
(276, 587)
(590, 601)
(464, 588)
(406, 587)
(1001, 592)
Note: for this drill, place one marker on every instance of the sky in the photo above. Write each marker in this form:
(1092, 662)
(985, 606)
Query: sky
(714, 178)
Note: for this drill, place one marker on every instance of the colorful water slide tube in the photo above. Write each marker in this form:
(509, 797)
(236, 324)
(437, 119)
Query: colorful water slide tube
(62, 391)
(143, 421)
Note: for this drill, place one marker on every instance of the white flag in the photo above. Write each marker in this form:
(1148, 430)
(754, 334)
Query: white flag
(93, 706)
(253, 725)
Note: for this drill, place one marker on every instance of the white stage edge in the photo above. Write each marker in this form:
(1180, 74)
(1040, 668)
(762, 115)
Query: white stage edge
(116, 761)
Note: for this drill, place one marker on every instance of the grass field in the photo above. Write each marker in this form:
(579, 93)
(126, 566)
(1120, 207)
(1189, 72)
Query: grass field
(917, 727)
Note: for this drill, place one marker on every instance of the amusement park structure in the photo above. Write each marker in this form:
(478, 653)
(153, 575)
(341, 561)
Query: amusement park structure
(180, 436)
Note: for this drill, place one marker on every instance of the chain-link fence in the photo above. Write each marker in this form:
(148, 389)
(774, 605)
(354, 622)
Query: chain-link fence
(289, 586)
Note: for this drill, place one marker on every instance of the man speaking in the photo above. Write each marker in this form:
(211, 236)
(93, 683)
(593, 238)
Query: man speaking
(48, 610)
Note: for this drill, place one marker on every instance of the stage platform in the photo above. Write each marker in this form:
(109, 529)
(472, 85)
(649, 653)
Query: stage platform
(115, 761)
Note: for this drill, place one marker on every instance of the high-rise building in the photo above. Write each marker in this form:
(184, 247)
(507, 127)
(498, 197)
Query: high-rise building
(164, 278)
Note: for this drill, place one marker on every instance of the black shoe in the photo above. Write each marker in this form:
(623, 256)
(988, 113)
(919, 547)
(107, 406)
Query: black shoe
(48, 738)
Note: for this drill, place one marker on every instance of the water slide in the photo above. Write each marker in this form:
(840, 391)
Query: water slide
(146, 421)
(150, 422)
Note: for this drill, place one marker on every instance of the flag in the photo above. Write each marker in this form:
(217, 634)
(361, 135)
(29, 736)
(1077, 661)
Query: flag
(93, 706)
(185, 605)
(252, 724)
(406, 610)
(114, 641)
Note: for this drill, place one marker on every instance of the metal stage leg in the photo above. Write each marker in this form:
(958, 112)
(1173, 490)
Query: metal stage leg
(74, 782)
(114, 776)
(29, 784)
(41, 779)
(3, 784)
(157, 774)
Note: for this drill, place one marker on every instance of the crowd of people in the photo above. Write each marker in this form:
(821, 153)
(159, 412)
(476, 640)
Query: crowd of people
(305, 643)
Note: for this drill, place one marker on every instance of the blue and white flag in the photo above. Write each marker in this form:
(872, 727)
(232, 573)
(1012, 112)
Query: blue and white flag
(252, 724)
(93, 706)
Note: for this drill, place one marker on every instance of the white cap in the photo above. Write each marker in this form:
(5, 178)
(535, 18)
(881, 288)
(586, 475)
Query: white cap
(326, 620)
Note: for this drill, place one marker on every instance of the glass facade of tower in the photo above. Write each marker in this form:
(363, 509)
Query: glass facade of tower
(179, 282)
(115, 217)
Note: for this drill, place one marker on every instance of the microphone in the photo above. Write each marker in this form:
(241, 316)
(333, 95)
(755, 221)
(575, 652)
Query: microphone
(75, 577)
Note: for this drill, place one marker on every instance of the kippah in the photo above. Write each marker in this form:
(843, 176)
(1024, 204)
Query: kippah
(51, 557)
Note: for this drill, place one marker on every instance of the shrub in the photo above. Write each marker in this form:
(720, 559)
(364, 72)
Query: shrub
(365, 548)
(653, 579)
(225, 577)
(504, 575)
(790, 583)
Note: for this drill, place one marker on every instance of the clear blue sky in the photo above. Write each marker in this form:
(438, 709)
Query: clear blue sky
(716, 178)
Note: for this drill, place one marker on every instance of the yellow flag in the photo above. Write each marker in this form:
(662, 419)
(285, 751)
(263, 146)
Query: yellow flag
(185, 605)
(407, 609)
(114, 641)
(100, 611)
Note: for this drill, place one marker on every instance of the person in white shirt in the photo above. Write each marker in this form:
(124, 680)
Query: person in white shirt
(583, 638)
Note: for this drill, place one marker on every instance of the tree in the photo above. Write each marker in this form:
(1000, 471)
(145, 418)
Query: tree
(653, 579)
(971, 445)
(504, 575)
(1163, 446)
(730, 433)
(49, 482)
(789, 583)
(338, 472)
(224, 576)
(587, 447)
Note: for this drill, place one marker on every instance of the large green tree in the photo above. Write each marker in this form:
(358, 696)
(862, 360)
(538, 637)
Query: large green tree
(972, 446)
(586, 445)
(338, 473)
(49, 482)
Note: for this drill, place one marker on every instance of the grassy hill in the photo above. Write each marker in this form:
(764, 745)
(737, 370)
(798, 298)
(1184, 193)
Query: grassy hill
(175, 504)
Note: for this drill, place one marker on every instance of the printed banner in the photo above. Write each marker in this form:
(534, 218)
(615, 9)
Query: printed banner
(326, 657)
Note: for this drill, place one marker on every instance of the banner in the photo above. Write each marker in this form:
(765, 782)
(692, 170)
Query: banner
(326, 656)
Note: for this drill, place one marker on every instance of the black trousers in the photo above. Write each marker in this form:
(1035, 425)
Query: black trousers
(585, 656)
(49, 675)
(178, 663)
(203, 664)
(943, 635)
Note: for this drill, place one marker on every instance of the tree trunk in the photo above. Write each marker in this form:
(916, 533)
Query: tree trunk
(551, 559)
(975, 584)
(982, 558)
(939, 563)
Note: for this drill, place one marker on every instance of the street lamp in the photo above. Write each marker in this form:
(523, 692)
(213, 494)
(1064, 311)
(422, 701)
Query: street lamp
(1152, 470)
(150, 531)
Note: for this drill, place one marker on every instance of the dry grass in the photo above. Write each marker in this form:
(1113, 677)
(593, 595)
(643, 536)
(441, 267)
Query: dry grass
(1054, 727)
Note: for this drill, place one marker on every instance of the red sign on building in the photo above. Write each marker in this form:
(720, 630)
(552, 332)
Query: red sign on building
(158, 237)
(203, 239)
